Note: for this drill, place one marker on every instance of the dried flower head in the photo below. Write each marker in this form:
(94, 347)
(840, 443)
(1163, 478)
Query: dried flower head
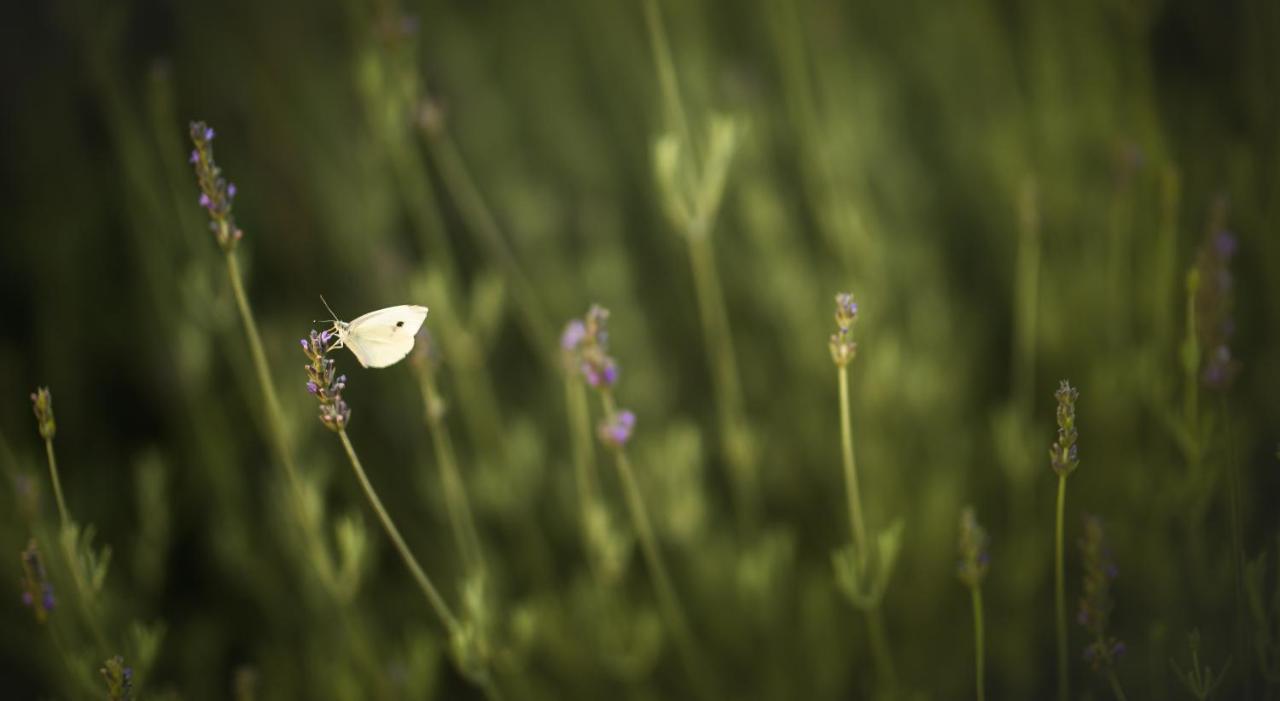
(37, 591)
(1064, 455)
(974, 556)
(119, 679)
(216, 194)
(843, 348)
(324, 382)
(42, 405)
(1094, 612)
(585, 343)
(616, 431)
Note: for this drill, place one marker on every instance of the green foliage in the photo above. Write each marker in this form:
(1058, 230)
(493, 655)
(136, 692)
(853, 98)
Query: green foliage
(1013, 192)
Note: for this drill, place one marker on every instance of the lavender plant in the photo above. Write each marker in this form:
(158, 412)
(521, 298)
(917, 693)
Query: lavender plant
(326, 385)
(972, 569)
(1064, 458)
(1096, 604)
(1200, 681)
(864, 567)
(692, 184)
(587, 342)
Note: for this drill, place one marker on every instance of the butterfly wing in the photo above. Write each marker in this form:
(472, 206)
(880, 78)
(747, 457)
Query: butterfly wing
(384, 337)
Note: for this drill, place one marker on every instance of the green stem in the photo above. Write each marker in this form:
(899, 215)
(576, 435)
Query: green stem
(724, 372)
(275, 416)
(851, 467)
(1026, 288)
(455, 493)
(666, 69)
(275, 423)
(583, 464)
(880, 651)
(481, 221)
(1059, 589)
(668, 601)
(1115, 685)
(975, 595)
(433, 596)
(57, 483)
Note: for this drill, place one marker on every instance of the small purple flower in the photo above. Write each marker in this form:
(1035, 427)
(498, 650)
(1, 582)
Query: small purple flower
(617, 432)
(312, 387)
(27, 599)
(305, 347)
(47, 599)
(231, 189)
(195, 157)
(209, 133)
(573, 334)
(205, 201)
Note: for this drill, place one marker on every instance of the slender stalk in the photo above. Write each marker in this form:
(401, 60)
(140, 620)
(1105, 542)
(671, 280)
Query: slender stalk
(275, 422)
(63, 514)
(1237, 538)
(880, 650)
(583, 464)
(1115, 685)
(481, 221)
(428, 589)
(668, 601)
(979, 651)
(875, 626)
(724, 370)
(1059, 589)
(665, 66)
(275, 416)
(850, 466)
(68, 546)
(1026, 289)
(455, 494)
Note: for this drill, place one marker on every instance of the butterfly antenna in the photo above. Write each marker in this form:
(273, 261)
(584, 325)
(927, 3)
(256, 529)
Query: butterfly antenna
(331, 312)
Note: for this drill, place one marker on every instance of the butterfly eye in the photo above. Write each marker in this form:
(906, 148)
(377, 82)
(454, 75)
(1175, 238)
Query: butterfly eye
(399, 324)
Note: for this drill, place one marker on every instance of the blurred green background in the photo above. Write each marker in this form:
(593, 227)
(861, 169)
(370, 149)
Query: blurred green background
(1014, 193)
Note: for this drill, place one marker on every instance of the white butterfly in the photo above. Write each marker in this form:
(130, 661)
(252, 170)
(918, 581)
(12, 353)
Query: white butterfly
(382, 337)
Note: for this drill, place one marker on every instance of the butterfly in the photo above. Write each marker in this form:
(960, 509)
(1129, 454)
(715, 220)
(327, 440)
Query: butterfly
(382, 337)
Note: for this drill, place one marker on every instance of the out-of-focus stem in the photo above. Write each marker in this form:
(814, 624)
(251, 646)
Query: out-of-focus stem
(669, 602)
(455, 493)
(480, 219)
(724, 372)
(851, 468)
(979, 651)
(1059, 589)
(583, 463)
(57, 483)
(275, 421)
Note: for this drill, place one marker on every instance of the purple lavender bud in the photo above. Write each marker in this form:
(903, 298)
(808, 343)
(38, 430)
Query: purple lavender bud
(48, 600)
(324, 337)
(305, 346)
(231, 189)
(573, 334)
(312, 387)
(610, 375)
(589, 372)
(209, 134)
(1225, 243)
(27, 599)
(205, 201)
(195, 157)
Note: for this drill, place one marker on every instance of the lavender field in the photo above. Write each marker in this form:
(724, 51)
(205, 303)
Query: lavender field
(777, 349)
